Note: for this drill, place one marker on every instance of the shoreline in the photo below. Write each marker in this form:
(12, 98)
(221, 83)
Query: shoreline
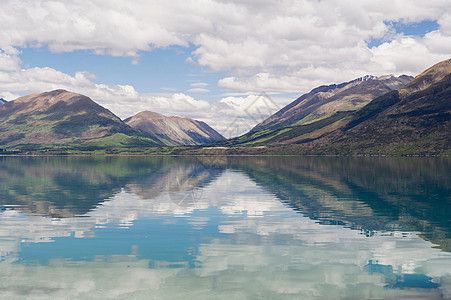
(225, 155)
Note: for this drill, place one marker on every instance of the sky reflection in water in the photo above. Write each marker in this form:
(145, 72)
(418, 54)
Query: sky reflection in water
(225, 228)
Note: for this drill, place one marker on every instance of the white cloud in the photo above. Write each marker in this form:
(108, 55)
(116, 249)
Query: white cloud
(198, 84)
(8, 62)
(170, 89)
(238, 36)
(198, 90)
(406, 54)
(287, 46)
(190, 60)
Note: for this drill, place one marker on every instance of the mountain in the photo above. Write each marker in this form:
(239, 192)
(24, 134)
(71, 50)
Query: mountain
(324, 101)
(2, 101)
(61, 117)
(174, 130)
(431, 76)
(414, 119)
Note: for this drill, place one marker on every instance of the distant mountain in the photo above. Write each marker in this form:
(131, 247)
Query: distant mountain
(412, 119)
(62, 117)
(322, 102)
(2, 101)
(174, 130)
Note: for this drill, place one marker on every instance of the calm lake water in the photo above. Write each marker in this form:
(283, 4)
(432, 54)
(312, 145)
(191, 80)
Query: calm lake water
(225, 228)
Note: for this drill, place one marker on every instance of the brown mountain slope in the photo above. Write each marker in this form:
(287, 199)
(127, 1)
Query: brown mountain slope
(416, 123)
(61, 117)
(415, 119)
(324, 101)
(174, 130)
(323, 110)
(432, 75)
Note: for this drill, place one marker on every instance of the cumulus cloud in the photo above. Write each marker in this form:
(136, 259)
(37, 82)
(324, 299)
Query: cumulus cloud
(403, 54)
(286, 46)
(229, 35)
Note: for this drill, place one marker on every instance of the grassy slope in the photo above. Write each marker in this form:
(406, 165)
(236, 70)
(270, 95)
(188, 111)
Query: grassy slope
(290, 134)
(77, 124)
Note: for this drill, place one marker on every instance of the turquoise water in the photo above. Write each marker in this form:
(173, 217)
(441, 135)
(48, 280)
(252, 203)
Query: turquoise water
(225, 228)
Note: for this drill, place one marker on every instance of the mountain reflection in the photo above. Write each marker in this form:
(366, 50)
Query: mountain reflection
(65, 187)
(368, 194)
(235, 227)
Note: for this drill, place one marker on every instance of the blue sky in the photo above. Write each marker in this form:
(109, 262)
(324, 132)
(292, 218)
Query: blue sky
(210, 59)
(157, 71)
(413, 29)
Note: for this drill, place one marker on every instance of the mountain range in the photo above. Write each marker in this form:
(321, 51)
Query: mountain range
(385, 115)
(322, 102)
(368, 115)
(64, 119)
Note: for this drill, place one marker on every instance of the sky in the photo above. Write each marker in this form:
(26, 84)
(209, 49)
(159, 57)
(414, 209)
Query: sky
(228, 63)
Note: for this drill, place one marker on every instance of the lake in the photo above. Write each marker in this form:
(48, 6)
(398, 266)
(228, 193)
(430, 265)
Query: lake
(225, 227)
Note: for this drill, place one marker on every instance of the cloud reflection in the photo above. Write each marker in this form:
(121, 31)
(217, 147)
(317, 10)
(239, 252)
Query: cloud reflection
(251, 244)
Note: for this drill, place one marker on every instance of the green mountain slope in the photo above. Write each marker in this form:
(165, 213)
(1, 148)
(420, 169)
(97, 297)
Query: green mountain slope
(63, 118)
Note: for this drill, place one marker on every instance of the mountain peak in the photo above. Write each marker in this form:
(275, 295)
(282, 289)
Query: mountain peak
(148, 114)
(441, 69)
(175, 130)
(366, 78)
(430, 76)
(61, 94)
(324, 101)
(43, 101)
(58, 117)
